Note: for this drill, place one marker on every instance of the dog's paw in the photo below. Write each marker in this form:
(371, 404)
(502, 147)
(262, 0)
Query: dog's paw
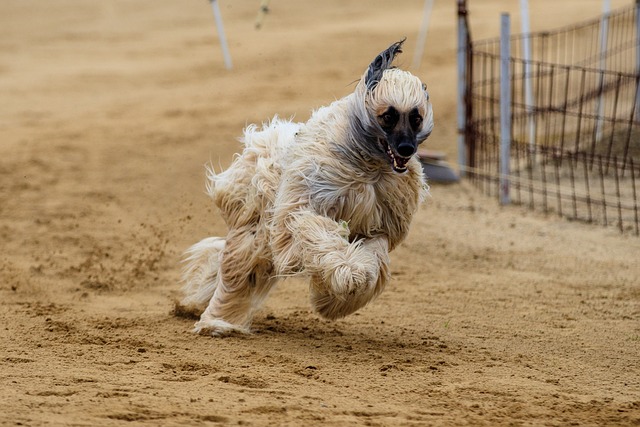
(218, 328)
(349, 280)
(346, 278)
(332, 306)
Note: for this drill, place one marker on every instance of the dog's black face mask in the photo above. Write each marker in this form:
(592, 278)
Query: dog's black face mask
(395, 130)
(401, 129)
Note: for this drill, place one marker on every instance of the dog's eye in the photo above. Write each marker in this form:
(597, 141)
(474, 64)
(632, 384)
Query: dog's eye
(415, 120)
(389, 118)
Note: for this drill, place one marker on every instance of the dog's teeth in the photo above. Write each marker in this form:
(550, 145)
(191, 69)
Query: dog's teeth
(394, 160)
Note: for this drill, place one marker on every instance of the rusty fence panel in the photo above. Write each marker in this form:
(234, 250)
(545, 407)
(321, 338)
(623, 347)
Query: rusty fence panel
(575, 143)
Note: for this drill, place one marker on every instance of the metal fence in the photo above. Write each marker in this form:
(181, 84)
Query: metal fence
(572, 119)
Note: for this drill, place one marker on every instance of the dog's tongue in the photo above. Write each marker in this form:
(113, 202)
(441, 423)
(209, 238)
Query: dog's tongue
(400, 162)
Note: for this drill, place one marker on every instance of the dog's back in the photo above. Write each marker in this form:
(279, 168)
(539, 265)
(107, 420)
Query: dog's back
(246, 190)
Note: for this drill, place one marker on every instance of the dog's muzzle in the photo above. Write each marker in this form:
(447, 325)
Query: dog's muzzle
(399, 161)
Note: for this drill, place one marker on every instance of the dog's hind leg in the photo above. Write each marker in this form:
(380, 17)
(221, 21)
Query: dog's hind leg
(201, 274)
(245, 278)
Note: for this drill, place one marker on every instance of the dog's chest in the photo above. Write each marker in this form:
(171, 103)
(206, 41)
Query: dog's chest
(382, 207)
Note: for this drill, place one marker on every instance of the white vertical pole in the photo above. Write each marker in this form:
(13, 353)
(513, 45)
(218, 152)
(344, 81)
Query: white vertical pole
(462, 85)
(505, 107)
(528, 89)
(604, 33)
(223, 39)
(422, 37)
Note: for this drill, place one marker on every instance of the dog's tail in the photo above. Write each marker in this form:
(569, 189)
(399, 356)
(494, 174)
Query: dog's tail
(201, 275)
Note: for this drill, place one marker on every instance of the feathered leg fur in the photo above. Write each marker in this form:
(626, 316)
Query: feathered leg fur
(234, 275)
(244, 280)
(229, 279)
(201, 274)
(349, 280)
(345, 276)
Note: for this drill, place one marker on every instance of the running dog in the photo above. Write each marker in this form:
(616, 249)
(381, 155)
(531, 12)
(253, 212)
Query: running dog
(329, 198)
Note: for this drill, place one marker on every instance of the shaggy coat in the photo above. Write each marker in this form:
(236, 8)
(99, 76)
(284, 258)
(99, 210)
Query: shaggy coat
(329, 198)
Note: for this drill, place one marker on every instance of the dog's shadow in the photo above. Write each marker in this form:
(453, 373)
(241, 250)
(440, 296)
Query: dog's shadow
(353, 338)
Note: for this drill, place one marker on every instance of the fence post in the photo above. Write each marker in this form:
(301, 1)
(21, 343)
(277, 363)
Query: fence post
(463, 35)
(604, 35)
(505, 107)
(528, 90)
(637, 41)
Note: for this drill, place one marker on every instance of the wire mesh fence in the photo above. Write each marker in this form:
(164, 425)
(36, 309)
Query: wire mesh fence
(575, 129)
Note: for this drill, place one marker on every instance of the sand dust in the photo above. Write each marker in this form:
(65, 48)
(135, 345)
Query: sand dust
(108, 112)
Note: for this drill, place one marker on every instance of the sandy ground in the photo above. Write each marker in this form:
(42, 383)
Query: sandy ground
(108, 112)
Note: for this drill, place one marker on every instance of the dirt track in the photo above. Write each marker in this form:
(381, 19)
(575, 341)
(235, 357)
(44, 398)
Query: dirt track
(110, 110)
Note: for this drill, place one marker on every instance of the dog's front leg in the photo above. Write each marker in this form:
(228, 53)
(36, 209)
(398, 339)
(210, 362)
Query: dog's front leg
(333, 305)
(345, 275)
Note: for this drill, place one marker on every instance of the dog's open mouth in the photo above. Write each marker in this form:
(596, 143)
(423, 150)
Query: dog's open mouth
(398, 163)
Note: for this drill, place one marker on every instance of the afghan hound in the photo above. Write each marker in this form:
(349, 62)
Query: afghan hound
(329, 198)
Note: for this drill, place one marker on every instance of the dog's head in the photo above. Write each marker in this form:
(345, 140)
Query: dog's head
(397, 114)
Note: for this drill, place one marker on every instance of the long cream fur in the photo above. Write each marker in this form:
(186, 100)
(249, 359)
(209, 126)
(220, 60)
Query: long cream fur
(309, 198)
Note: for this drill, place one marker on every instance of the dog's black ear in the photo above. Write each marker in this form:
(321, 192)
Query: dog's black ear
(381, 63)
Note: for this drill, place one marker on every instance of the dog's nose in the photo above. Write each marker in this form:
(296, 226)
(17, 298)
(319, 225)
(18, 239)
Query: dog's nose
(406, 149)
